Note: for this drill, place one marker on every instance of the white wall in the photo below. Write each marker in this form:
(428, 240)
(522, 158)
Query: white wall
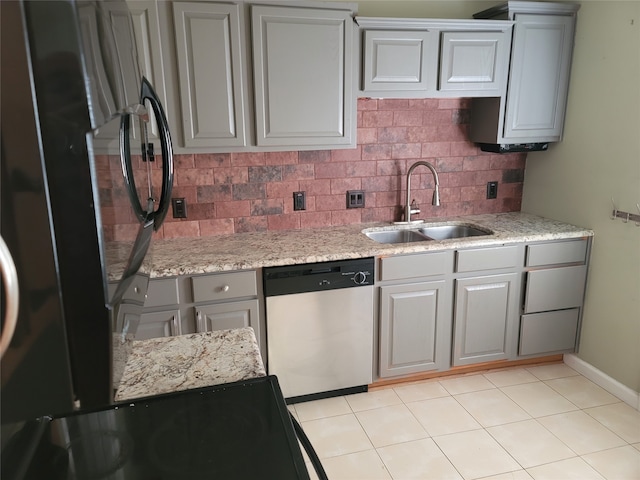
(599, 158)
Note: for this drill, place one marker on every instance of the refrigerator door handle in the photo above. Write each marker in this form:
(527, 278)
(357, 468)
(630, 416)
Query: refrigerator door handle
(147, 93)
(10, 279)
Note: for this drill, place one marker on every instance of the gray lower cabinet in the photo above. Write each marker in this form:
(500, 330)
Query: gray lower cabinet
(556, 274)
(197, 303)
(414, 313)
(485, 318)
(413, 328)
(224, 316)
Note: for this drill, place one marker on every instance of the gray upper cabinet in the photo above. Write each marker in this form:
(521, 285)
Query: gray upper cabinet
(210, 69)
(303, 68)
(534, 107)
(419, 58)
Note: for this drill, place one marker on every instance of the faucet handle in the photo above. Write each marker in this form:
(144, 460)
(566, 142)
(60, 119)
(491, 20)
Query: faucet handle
(414, 208)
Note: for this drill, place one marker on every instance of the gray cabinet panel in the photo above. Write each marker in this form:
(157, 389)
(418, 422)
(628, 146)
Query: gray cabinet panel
(162, 292)
(413, 328)
(159, 324)
(224, 286)
(303, 71)
(555, 289)
(474, 61)
(556, 253)
(222, 316)
(398, 60)
(549, 332)
(539, 76)
(486, 312)
(415, 266)
(210, 68)
(490, 258)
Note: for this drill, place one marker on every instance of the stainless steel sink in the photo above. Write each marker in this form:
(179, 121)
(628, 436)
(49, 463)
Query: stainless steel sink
(396, 236)
(444, 232)
(426, 233)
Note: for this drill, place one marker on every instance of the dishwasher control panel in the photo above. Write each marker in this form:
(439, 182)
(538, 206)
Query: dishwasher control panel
(314, 277)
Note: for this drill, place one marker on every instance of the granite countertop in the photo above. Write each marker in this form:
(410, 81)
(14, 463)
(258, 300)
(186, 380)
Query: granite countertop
(163, 365)
(184, 256)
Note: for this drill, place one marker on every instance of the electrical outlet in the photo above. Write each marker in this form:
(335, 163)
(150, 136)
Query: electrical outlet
(492, 190)
(179, 207)
(355, 199)
(299, 201)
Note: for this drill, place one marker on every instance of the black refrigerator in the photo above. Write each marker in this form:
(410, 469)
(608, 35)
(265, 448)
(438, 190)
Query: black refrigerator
(76, 117)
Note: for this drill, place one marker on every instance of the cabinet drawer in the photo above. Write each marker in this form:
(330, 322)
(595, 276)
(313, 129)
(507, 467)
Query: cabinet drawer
(555, 288)
(224, 286)
(412, 266)
(162, 292)
(488, 258)
(549, 332)
(557, 252)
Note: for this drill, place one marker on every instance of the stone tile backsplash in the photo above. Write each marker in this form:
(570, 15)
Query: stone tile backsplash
(242, 192)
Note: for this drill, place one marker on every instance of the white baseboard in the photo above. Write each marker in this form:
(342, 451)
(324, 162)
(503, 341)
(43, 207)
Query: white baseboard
(600, 378)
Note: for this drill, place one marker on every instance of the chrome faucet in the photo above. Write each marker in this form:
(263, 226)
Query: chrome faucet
(411, 207)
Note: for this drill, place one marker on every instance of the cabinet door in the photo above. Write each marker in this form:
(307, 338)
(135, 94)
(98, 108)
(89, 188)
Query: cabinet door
(159, 324)
(555, 288)
(474, 62)
(539, 77)
(396, 60)
(414, 332)
(303, 73)
(486, 315)
(210, 70)
(223, 316)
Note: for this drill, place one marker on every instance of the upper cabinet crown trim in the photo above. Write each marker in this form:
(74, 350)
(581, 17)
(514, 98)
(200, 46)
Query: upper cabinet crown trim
(430, 24)
(514, 7)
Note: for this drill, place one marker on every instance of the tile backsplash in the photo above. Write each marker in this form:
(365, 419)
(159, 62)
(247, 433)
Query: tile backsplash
(243, 192)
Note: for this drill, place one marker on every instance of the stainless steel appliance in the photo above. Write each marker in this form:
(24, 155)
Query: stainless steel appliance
(70, 88)
(320, 327)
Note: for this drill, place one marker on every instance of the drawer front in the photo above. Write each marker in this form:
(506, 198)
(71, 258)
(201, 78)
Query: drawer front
(555, 289)
(162, 292)
(489, 258)
(413, 266)
(224, 286)
(557, 252)
(549, 332)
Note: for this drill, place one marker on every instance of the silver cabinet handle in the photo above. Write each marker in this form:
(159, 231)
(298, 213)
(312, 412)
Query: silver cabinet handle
(175, 326)
(200, 325)
(10, 278)
(224, 288)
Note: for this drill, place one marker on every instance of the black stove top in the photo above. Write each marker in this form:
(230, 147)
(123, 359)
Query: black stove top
(238, 430)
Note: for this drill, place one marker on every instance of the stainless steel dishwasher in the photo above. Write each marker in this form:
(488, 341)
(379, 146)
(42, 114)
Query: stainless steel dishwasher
(319, 320)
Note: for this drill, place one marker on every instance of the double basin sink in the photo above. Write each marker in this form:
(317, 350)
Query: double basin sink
(407, 234)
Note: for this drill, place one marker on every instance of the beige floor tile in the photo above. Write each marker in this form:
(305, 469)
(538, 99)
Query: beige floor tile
(421, 391)
(504, 378)
(466, 383)
(547, 372)
(311, 471)
(637, 446)
(538, 399)
(356, 466)
(335, 436)
(420, 459)
(621, 463)
(622, 419)
(517, 475)
(530, 443)
(570, 469)
(581, 433)
(476, 454)
(440, 416)
(375, 399)
(491, 407)
(581, 391)
(327, 407)
(390, 425)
